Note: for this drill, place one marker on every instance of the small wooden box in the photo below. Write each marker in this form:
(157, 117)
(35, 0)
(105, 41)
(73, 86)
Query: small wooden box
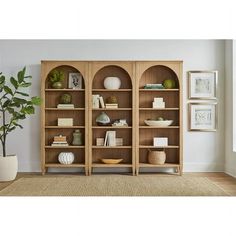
(65, 122)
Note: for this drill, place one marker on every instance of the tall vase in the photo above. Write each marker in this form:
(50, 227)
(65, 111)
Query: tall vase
(77, 138)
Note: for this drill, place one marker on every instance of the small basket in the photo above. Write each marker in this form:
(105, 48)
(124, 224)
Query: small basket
(156, 157)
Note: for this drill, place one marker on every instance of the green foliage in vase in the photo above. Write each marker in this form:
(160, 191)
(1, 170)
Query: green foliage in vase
(15, 104)
(56, 76)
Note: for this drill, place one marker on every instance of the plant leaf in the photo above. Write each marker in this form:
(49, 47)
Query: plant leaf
(10, 110)
(8, 90)
(19, 100)
(20, 77)
(23, 94)
(25, 85)
(29, 110)
(6, 103)
(14, 82)
(2, 79)
(36, 101)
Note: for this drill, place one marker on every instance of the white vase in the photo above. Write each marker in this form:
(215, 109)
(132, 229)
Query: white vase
(66, 158)
(112, 83)
(8, 168)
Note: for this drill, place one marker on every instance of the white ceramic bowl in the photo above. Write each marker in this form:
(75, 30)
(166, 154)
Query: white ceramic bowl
(66, 158)
(159, 123)
(112, 83)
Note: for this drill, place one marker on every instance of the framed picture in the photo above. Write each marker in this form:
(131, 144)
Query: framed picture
(202, 84)
(202, 116)
(75, 81)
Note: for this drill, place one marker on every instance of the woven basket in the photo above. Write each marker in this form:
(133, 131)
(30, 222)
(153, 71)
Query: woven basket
(156, 157)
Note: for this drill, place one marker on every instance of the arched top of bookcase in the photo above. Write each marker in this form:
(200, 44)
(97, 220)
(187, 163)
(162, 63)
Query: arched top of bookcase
(66, 69)
(157, 74)
(112, 70)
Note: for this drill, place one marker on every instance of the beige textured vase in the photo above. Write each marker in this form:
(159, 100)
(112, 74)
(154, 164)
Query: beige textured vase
(8, 168)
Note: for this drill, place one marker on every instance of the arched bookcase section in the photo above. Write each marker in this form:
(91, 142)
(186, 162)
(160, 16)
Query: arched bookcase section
(66, 70)
(112, 70)
(53, 109)
(157, 75)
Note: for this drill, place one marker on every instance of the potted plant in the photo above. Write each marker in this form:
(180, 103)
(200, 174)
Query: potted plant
(15, 106)
(56, 78)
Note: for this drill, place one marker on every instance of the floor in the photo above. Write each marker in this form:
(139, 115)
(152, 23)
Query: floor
(226, 182)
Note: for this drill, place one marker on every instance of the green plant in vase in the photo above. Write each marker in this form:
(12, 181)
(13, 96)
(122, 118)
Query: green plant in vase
(15, 106)
(56, 78)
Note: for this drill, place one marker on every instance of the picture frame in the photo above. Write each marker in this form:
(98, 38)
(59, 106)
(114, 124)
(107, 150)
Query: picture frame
(202, 116)
(202, 84)
(75, 81)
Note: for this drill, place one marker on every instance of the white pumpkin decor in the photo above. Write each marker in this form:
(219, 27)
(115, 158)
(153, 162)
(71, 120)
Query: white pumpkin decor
(66, 158)
(112, 83)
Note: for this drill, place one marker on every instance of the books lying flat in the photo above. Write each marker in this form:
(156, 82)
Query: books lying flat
(153, 86)
(59, 144)
(111, 105)
(66, 106)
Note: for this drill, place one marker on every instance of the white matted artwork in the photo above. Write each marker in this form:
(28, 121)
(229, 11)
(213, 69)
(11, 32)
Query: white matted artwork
(202, 117)
(202, 84)
(75, 81)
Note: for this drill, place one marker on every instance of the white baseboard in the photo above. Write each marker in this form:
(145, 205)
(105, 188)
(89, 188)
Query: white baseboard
(230, 171)
(203, 167)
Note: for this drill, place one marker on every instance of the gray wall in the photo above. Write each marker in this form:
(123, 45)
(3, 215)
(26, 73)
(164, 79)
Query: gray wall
(203, 151)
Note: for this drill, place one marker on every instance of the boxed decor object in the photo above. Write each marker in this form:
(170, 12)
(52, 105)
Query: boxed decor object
(65, 122)
(160, 142)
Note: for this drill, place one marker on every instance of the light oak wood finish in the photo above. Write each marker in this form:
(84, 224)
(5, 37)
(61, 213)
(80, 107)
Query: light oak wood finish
(135, 105)
(50, 114)
(156, 72)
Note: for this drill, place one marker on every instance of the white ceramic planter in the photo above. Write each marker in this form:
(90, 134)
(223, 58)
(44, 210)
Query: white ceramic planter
(8, 168)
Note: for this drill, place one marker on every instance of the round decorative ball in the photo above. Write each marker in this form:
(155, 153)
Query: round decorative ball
(112, 83)
(169, 84)
(66, 98)
(112, 99)
(66, 158)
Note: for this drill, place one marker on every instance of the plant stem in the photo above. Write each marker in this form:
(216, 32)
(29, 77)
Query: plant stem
(4, 134)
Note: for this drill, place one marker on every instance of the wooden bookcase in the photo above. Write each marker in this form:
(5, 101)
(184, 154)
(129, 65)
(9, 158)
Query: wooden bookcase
(135, 105)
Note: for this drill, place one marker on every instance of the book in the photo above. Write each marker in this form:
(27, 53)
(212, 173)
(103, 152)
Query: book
(59, 144)
(95, 99)
(111, 139)
(111, 105)
(105, 141)
(101, 102)
(119, 141)
(66, 106)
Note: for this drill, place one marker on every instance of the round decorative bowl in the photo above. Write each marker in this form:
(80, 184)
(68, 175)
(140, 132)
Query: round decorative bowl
(57, 85)
(159, 123)
(66, 158)
(112, 83)
(111, 161)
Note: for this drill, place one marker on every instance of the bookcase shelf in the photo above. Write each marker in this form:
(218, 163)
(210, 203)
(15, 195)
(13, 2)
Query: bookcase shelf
(134, 105)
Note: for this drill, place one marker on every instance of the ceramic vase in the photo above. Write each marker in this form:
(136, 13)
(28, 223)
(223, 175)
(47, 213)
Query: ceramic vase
(66, 158)
(103, 119)
(112, 83)
(77, 138)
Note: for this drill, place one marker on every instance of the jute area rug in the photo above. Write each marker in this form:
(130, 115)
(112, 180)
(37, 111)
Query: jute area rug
(113, 185)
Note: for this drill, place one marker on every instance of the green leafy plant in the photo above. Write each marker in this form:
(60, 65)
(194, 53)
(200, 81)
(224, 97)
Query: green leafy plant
(15, 104)
(56, 76)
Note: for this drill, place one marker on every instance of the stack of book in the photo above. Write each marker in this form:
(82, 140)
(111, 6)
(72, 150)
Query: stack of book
(59, 141)
(66, 106)
(111, 105)
(153, 86)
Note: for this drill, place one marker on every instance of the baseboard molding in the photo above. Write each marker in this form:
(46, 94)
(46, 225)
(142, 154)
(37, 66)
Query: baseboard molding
(230, 171)
(203, 167)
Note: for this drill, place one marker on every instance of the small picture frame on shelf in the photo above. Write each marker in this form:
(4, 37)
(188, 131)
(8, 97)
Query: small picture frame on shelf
(202, 116)
(75, 81)
(202, 84)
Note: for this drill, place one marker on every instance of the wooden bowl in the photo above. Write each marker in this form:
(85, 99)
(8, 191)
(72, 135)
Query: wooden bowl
(111, 161)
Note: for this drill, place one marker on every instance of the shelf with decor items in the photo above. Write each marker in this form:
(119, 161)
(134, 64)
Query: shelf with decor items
(124, 104)
(159, 103)
(117, 94)
(64, 102)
